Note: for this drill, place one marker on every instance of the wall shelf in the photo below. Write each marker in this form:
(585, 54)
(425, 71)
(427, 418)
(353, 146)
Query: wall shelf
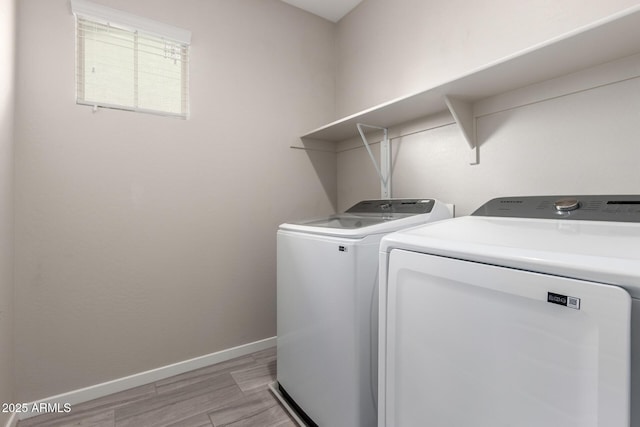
(605, 40)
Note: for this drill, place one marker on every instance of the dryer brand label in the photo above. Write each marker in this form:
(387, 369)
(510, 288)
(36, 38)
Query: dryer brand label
(567, 301)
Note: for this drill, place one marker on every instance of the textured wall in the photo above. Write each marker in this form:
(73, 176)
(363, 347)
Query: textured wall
(7, 93)
(142, 240)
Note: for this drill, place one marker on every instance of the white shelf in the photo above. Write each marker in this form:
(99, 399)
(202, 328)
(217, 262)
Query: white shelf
(611, 38)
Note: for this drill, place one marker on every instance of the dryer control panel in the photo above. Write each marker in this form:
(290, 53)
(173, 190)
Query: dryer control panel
(620, 208)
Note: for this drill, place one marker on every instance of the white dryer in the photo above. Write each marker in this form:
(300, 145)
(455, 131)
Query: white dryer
(327, 295)
(526, 313)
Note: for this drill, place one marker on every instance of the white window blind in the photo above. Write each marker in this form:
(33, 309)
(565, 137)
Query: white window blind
(131, 63)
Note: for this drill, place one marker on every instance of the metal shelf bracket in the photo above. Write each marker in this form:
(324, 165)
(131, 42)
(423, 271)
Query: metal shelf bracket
(462, 112)
(384, 169)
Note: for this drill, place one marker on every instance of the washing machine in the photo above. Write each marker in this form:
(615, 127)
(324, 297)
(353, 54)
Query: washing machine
(525, 313)
(327, 296)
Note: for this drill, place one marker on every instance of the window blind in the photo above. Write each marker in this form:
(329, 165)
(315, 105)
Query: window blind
(130, 63)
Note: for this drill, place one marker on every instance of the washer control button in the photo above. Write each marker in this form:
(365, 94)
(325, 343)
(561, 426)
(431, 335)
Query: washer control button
(566, 205)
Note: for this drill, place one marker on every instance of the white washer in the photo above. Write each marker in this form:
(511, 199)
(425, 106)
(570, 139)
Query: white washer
(526, 313)
(327, 296)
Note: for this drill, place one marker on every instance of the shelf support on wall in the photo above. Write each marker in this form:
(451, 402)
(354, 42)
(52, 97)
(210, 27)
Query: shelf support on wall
(384, 169)
(462, 112)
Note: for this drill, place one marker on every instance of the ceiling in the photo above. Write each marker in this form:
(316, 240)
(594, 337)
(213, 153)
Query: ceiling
(333, 10)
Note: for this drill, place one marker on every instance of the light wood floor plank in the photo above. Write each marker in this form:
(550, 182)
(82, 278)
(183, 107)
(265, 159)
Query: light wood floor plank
(258, 377)
(181, 410)
(198, 375)
(265, 356)
(273, 417)
(232, 393)
(246, 407)
(200, 420)
(103, 419)
(207, 383)
(86, 409)
(186, 393)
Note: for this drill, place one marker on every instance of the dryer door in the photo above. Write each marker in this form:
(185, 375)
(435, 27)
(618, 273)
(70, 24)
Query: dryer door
(476, 345)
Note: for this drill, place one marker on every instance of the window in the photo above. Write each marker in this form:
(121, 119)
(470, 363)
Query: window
(130, 63)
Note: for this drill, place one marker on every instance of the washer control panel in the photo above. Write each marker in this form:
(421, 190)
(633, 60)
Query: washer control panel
(393, 206)
(566, 205)
(621, 208)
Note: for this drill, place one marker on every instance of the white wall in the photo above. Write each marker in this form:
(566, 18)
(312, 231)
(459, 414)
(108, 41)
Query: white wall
(580, 143)
(7, 93)
(143, 240)
(390, 49)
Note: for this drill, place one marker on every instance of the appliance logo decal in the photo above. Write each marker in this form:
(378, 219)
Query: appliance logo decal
(567, 301)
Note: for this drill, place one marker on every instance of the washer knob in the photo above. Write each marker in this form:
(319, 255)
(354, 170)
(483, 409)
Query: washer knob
(566, 205)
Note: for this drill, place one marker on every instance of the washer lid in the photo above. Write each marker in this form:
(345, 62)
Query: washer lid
(373, 217)
(350, 222)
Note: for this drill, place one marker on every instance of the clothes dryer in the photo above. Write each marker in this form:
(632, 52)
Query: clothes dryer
(526, 313)
(327, 295)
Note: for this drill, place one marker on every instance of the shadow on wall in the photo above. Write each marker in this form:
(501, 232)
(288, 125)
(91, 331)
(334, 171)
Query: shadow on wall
(323, 158)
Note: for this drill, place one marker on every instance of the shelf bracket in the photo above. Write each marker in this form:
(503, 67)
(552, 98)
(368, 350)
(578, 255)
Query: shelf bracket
(462, 112)
(384, 169)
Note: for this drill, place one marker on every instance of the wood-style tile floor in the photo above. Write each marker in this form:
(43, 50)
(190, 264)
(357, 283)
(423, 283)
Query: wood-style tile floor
(232, 394)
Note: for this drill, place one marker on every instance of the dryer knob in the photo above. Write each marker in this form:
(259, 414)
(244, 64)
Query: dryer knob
(566, 205)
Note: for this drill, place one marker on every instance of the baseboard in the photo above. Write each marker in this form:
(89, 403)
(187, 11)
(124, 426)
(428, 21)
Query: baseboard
(100, 390)
(12, 421)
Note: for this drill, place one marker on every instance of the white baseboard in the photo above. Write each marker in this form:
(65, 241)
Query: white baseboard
(12, 421)
(100, 390)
